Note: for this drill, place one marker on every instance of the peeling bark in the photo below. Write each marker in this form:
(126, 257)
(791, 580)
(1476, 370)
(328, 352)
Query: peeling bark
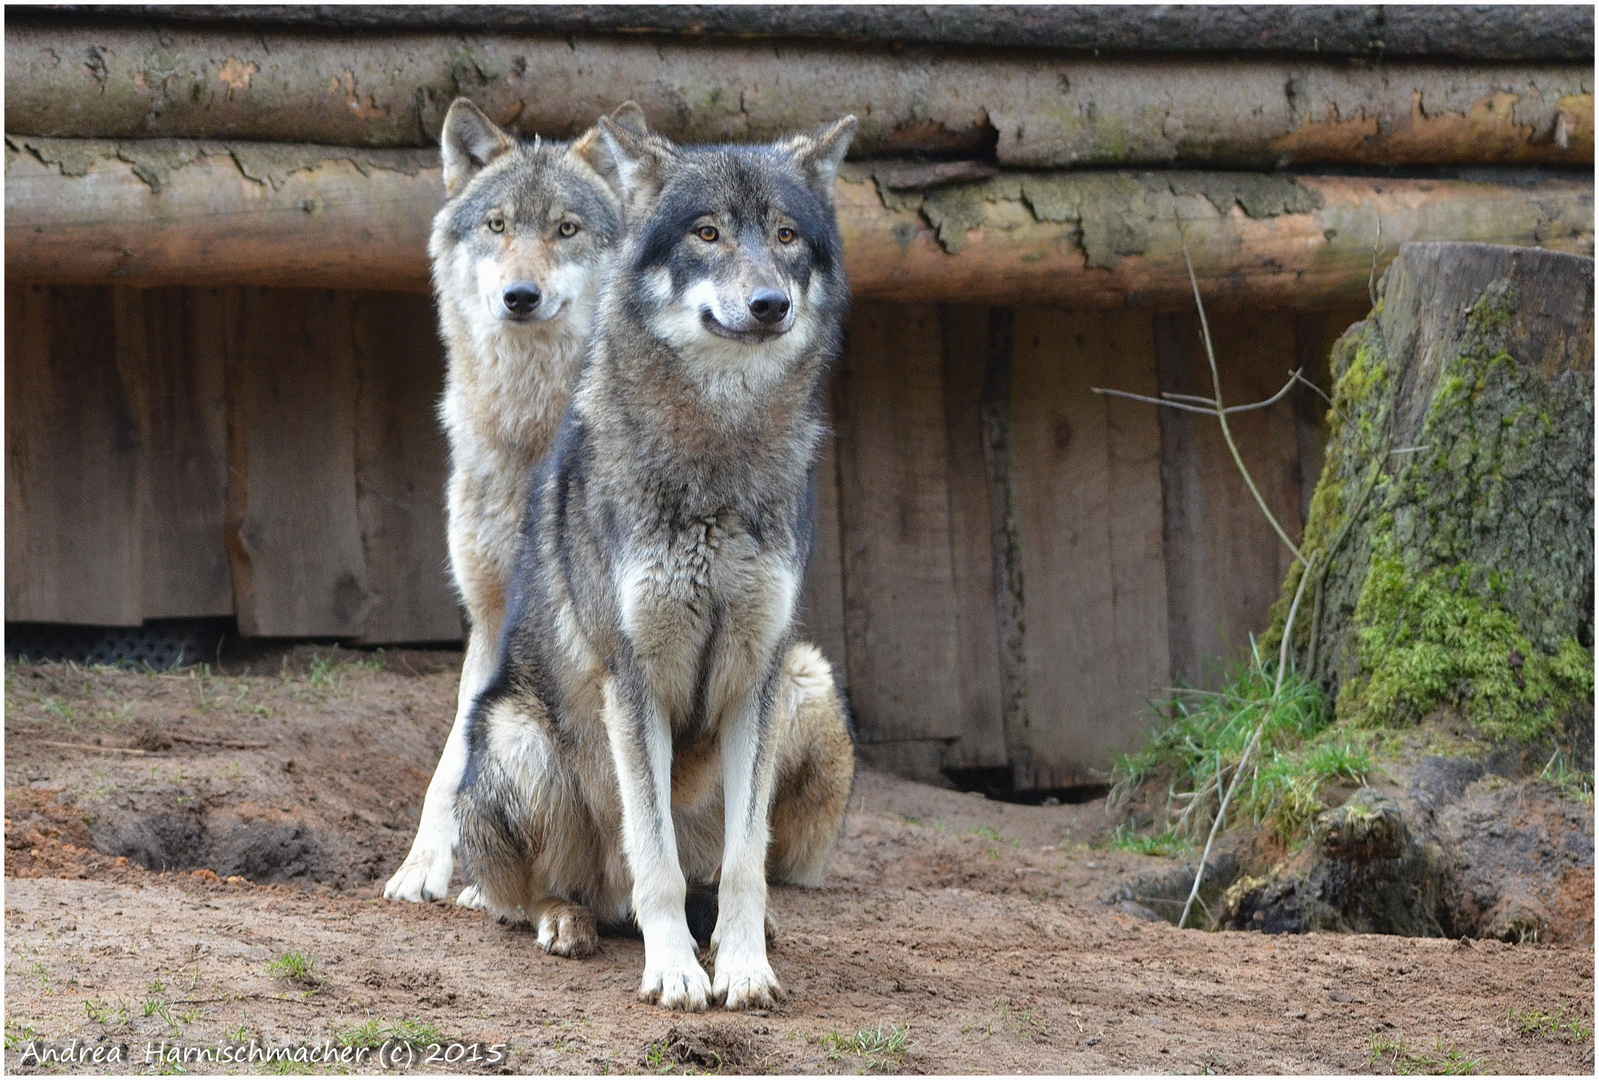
(237, 212)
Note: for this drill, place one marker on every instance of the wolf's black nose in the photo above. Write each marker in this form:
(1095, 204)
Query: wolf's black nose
(769, 305)
(521, 297)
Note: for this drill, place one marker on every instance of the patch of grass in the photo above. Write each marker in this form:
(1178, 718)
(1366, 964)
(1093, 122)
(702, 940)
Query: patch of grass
(159, 1008)
(1572, 783)
(375, 1033)
(1565, 1024)
(296, 967)
(19, 1033)
(875, 1047)
(1196, 747)
(1165, 843)
(1024, 1022)
(1393, 1052)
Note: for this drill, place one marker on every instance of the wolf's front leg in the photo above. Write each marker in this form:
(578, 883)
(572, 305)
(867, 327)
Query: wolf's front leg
(641, 746)
(744, 978)
(427, 870)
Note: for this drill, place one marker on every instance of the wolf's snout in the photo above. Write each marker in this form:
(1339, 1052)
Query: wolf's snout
(769, 306)
(521, 297)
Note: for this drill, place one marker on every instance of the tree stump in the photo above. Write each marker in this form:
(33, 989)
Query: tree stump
(1452, 528)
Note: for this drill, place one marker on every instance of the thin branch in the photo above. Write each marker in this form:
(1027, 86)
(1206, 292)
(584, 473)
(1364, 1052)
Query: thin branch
(1254, 741)
(1322, 393)
(1152, 401)
(1221, 411)
(1274, 399)
(225, 744)
(1180, 401)
(129, 750)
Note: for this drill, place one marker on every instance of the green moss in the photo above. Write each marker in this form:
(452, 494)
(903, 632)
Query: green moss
(1450, 594)
(1430, 642)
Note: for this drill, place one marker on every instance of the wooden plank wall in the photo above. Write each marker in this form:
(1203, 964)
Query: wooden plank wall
(1007, 566)
(266, 453)
(1078, 553)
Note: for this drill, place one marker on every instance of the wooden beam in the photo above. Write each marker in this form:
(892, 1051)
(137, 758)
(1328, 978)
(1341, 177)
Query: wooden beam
(1477, 32)
(96, 211)
(1030, 110)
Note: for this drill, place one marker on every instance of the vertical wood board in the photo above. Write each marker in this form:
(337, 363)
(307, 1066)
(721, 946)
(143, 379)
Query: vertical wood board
(401, 467)
(899, 608)
(74, 430)
(1086, 479)
(183, 467)
(1224, 563)
(821, 614)
(294, 536)
(966, 357)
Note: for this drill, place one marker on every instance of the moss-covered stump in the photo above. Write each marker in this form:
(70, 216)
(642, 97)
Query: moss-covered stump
(1454, 517)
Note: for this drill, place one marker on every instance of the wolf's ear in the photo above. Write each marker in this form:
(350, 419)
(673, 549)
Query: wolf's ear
(593, 150)
(821, 153)
(469, 141)
(629, 115)
(638, 155)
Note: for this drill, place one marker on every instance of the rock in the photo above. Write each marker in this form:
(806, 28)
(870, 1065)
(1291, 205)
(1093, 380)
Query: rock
(1365, 828)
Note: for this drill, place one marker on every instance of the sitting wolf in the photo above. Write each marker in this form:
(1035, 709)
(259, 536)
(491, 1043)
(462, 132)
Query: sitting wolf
(649, 687)
(518, 252)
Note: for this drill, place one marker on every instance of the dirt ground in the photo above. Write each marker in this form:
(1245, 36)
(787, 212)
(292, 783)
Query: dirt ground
(170, 837)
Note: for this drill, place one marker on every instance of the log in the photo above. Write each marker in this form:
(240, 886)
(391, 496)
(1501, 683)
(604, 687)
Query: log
(1455, 511)
(1027, 110)
(1461, 32)
(161, 212)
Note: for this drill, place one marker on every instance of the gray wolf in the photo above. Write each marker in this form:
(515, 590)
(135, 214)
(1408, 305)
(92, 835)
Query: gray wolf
(518, 250)
(649, 686)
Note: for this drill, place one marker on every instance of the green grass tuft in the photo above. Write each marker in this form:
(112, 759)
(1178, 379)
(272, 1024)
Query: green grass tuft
(375, 1033)
(876, 1047)
(1393, 1052)
(1565, 1024)
(1195, 750)
(295, 967)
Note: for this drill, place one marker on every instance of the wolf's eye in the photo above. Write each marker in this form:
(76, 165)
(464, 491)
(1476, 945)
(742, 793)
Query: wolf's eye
(786, 235)
(567, 228)
(496, 224)
(707, 233)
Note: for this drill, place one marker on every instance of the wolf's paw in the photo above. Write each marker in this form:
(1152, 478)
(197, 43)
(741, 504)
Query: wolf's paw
(751, 986)
(568, 930)
(471, 897)
(424, 876)
(680, 987)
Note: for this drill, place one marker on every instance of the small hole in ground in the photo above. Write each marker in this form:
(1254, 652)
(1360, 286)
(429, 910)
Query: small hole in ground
(998, 783)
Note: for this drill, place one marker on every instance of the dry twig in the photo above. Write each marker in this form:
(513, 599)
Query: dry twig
(129, 750)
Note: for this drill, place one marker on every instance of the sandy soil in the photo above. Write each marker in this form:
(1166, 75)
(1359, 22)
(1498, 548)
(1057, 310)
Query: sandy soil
(267, 806)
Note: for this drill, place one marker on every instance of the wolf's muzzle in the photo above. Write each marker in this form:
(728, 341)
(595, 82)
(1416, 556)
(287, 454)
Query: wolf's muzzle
(521, 299)
(769, 306)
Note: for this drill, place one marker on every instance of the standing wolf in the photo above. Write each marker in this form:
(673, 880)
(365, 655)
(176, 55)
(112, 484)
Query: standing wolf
(518, 250)
(650, 686)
